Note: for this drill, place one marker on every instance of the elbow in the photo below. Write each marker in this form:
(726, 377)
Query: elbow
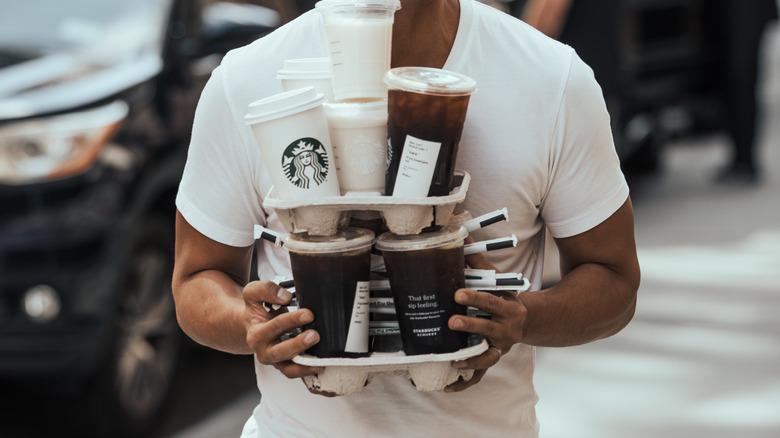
(629, 300)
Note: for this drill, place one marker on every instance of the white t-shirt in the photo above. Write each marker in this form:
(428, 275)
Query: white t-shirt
(536, 140)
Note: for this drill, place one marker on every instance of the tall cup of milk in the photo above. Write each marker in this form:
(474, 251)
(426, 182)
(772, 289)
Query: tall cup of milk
(358, 134)
(359, 38)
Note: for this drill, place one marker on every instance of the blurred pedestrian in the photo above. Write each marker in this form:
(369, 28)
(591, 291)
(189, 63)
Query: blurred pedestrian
(736, 28)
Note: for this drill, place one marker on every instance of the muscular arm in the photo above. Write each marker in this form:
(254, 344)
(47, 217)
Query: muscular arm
(218, 307)
(596, 296)
(208, 280)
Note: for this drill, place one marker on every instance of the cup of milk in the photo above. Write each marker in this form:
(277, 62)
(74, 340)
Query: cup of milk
(359, 37)
(358, 134)
(305, 72)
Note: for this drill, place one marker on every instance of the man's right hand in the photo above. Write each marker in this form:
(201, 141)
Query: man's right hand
(265, 329)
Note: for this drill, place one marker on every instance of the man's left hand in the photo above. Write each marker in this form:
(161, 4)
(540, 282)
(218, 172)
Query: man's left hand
(502, 331)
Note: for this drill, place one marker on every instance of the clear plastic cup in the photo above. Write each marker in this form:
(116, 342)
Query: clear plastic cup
(358, 134)
(426, 112)
(424, 271)
(307, 72)
(359, 37)
(292, 133)
(332, 279)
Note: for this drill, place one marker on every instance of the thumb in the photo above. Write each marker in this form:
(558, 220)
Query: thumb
(266, 292)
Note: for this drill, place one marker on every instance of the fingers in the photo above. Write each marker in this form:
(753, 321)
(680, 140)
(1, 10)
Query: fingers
(496, 303)
(262, 337)
(271, 351)
(487, 359)
(256, 294)
(460, 385)
(266, 291)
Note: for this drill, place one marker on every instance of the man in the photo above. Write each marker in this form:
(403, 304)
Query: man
(536, 140)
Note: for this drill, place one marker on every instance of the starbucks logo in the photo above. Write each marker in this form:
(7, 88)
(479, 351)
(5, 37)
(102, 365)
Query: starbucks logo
(305, 163)
(363, 155)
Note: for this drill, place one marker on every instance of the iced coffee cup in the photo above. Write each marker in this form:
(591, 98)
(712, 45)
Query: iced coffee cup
(359, 37)
(307, 72)
(331, 276)
(292, 133)
(424, 271)
(426, 111)
(358, 134)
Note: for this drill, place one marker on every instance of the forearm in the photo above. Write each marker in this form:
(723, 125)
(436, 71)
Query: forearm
(591, 302)
(210, 309)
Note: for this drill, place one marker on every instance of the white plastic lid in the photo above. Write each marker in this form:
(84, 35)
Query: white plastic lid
(356, 108)
(283, 104)
(393, 5)
(349, 239)
(428, 80)
(305, 68)
(445, 237)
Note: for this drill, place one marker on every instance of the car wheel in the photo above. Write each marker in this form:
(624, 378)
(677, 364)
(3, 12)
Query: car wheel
(137, 374)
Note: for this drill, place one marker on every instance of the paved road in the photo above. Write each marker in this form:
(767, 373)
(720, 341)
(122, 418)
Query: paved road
(701, 357)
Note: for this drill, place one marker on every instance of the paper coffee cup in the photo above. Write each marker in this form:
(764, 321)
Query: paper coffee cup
(332, 279)
(292, 133)
(307, 72)
(358, 134)
(424, 271)
(426, 112)
(359, 37)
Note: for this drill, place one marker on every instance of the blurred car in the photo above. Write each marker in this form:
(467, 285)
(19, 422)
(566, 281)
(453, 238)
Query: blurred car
(96, 104)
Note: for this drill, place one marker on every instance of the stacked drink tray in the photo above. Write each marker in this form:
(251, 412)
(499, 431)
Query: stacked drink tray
(403, 215)
(427, 372)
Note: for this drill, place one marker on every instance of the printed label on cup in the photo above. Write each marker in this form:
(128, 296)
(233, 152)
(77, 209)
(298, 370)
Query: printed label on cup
(424, 309)
(305, 163)
(416, 167)
(357, 336)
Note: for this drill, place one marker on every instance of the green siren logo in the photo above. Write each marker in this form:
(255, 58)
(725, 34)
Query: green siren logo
(305, 162)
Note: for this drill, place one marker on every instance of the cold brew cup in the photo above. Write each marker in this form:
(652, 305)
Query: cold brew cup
(426, 111)
(424, 271)
(359, 37)
(358, 134)
(331, 276)
(307, 72)
(292, 133)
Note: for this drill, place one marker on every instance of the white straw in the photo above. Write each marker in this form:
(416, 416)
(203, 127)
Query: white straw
(272, 236)
(490, 245)
(487, 219)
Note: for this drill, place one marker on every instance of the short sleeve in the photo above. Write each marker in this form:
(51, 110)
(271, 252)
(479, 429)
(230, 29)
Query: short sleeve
(217, 194)
(586, 185)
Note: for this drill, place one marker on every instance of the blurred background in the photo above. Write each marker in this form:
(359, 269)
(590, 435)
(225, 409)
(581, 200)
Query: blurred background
(96, 102)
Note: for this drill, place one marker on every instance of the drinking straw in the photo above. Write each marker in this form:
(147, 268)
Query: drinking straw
(500, 283)
(383, 328)
(272, 236)
(487, 219)
(490, 245)
(382, 305)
